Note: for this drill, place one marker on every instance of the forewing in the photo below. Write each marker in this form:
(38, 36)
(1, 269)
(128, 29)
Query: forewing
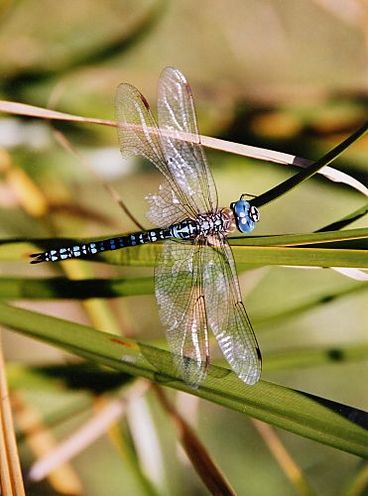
(186, 160)
(139, 135)
(226, 315)
(137, 129)
(165, 208)
(179, 294)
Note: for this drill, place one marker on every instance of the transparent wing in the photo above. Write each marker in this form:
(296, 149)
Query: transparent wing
(186, 160)
(137, 129)
(179, 294)
(139, 135)
(226, 315)
(165, 208)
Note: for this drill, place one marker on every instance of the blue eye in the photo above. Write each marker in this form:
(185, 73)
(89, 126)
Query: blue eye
(246, 215)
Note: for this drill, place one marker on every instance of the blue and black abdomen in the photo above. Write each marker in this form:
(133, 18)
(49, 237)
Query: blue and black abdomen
(186, 230)
(87, 249)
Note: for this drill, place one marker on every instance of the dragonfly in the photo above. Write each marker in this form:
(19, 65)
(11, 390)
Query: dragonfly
(196, 283)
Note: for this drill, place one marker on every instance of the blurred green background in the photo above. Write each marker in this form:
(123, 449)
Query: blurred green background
(285, 75)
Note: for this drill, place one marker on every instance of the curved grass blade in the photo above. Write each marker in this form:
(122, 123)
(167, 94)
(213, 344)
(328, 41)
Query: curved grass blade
(214, 143)
(309, 171)
(345, 221)
(311, 417)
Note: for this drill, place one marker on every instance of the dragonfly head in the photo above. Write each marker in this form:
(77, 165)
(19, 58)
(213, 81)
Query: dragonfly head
(246, 215)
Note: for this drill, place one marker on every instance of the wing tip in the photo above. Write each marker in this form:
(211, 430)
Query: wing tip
(175, 73)
(123, 89)
(251, 374)
(252, 380)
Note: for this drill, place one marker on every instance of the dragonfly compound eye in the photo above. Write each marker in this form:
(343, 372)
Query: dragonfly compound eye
(245, 215)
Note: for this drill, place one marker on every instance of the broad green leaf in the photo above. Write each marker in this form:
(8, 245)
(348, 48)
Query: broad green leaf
(316, 418)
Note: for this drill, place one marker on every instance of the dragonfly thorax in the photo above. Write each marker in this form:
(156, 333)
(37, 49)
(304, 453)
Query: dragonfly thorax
(222, 221)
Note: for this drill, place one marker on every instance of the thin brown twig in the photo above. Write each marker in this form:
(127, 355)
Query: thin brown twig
(88, 433)
(65, 143)
(283, 458)
(11, 480)
(201, 460)
(215, 143)
(40, 439)
(116, 197)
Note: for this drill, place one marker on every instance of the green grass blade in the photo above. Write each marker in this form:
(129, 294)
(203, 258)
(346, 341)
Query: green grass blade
(308, 257)
(301, 239)
(33, 288)
(295, 311)
(87, 376)
(308, 416)
(61, 287)
(359, 485)
(308, 172)
(311, 357)
(146, 255)
(348, 219)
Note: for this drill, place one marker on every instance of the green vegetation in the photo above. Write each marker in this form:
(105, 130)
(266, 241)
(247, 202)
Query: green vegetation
(280, 88)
